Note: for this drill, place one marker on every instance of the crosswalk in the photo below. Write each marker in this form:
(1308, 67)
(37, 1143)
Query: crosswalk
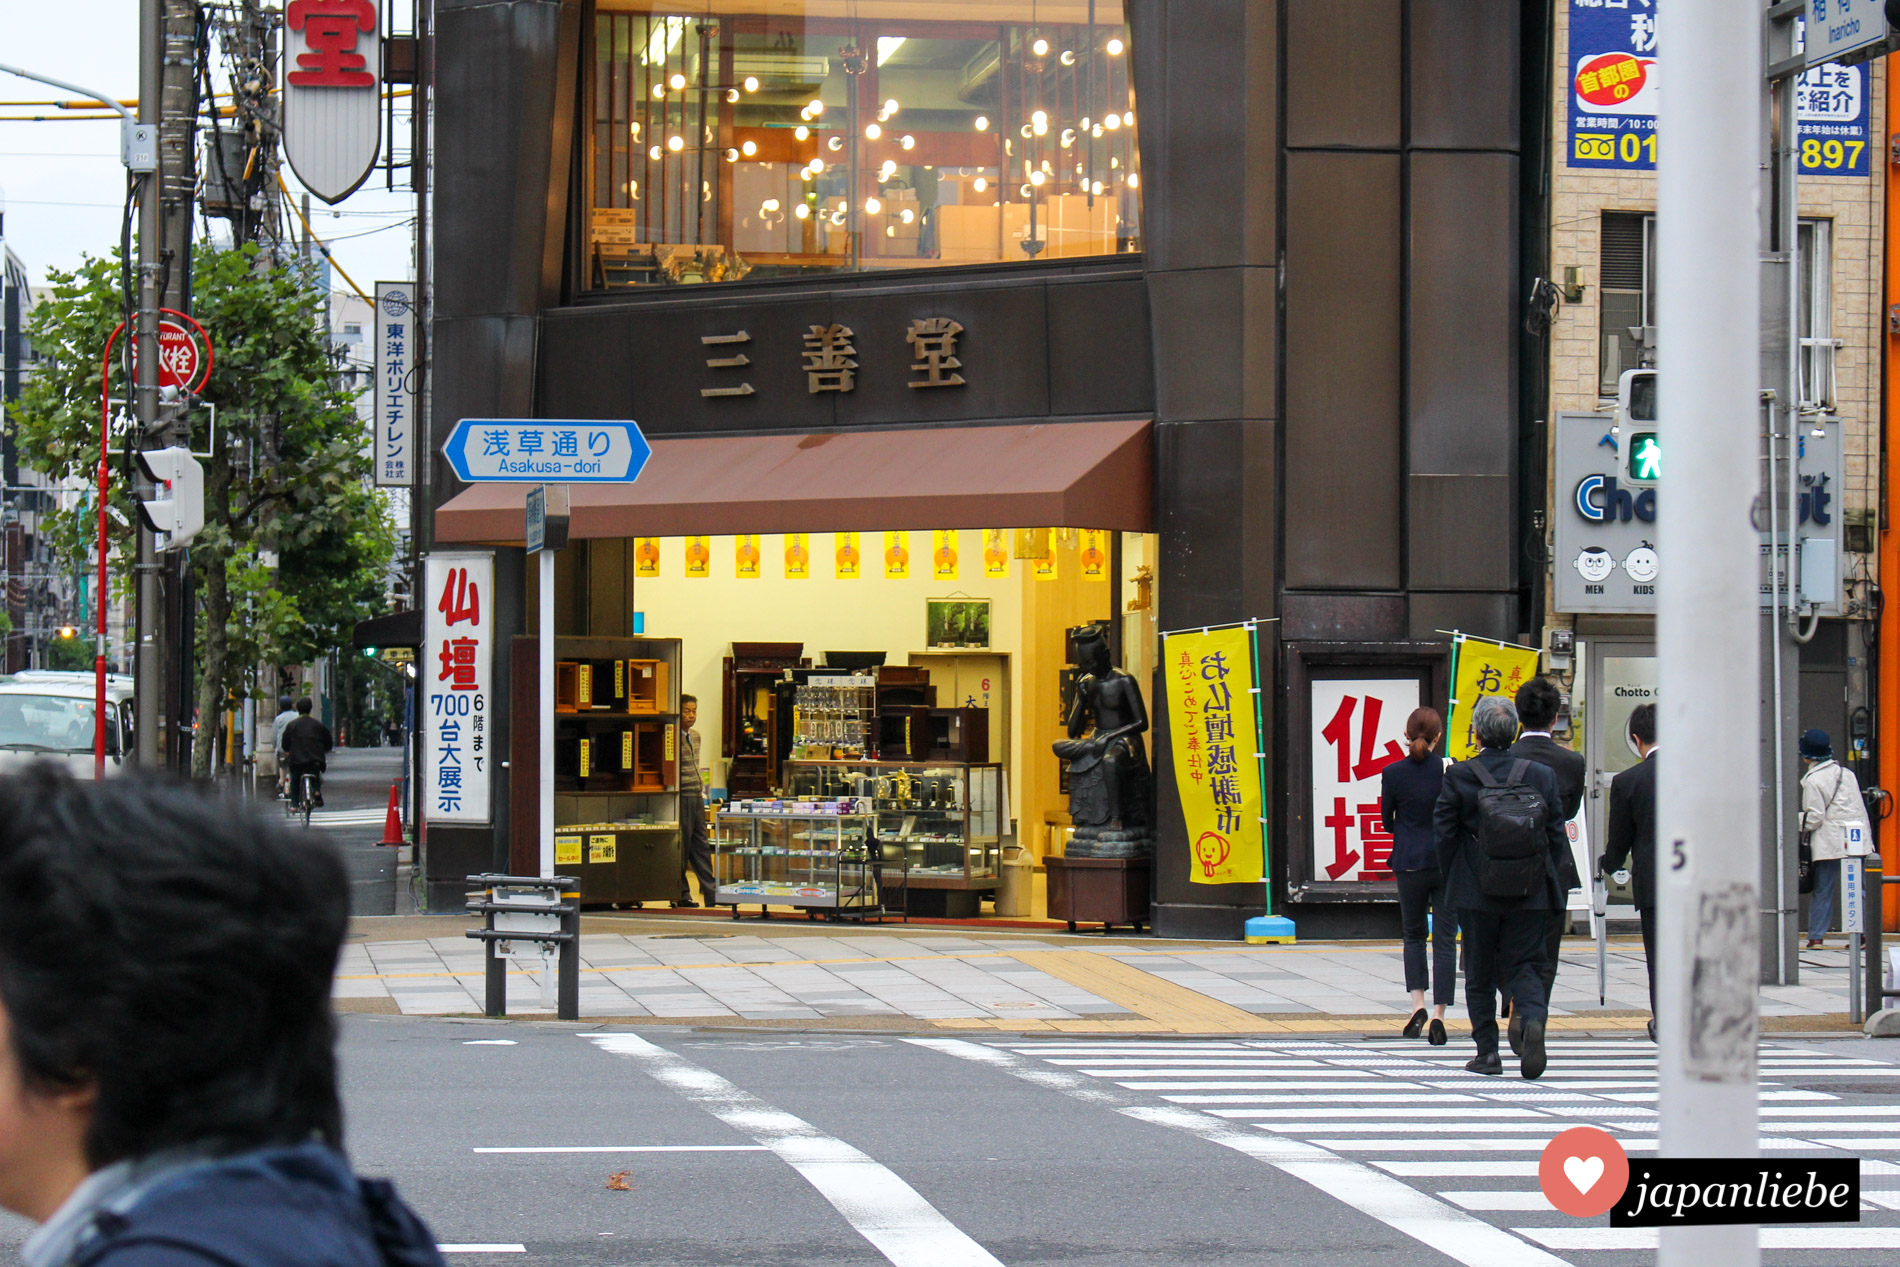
(1414, 1113)
(348, 817)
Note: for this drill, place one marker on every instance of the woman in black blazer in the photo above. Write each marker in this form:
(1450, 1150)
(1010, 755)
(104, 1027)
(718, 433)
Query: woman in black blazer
(1408, 789)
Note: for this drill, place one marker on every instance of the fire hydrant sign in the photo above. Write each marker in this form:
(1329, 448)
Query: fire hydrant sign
(456, 672)
(1358, 730)
(1215, 741)
(546, 451)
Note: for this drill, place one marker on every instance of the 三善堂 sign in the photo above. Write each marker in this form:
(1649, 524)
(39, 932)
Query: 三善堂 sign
(457, 672)
(546, 451)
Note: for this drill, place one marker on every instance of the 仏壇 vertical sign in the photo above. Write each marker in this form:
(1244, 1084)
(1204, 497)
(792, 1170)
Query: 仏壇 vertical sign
(395, 445)
(1358, 730)
(1215, 740)
(457, 675)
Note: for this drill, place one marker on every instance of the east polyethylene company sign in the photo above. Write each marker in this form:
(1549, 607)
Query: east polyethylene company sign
(546, 451)
(332, 93)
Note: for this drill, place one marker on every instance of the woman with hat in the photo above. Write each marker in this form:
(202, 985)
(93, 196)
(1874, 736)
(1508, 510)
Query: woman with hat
(1834, 821)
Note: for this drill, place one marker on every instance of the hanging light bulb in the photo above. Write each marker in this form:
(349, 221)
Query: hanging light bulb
(1128, 117)
(1114, 47)
(834, 143)
(769, 206)
(816, 166)
(633, 187)
(982, 122)
(888, 170)
(1112, 122)
(802, 211)
(979, 184)
(1040, 47)
(816, 107)
(1114, 161)
(677, 82)
(1068, 137)
(907, 141)
(1134, 180)
(749, 148)
(872, 131)
(732, 94)
(1096, 188)
(732, 156)
(751, 83)
(805, 173)
(1084, 125)
(872, 206)
(1068, 57)
(676, 142)
(1027, 131)
(1096, 131)
(1046, 167)
(1036, 179)
(653, 152)
(907, 215)
(803, 133)
(837, 218)
(843, 206)
(659, 91)
(890, 106)
(1026, 192)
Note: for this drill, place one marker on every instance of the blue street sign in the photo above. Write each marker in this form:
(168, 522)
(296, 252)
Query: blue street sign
(546, 451)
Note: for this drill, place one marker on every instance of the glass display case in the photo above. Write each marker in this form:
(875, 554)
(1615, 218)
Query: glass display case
(947, 821)
(777, 853)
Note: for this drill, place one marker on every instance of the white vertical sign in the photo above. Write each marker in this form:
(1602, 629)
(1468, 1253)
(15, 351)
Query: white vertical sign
(1358, 730)
(395, 446)
(332, 93)
(457, 668)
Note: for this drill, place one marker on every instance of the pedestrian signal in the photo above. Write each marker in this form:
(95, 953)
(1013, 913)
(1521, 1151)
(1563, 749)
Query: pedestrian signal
(178, 511)
(1639, 438)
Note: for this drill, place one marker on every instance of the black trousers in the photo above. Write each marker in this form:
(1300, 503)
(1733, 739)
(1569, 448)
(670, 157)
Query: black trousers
(1553, 946)
(1419, 892)
(1648, 916)
(695, 846)
(1503, 949)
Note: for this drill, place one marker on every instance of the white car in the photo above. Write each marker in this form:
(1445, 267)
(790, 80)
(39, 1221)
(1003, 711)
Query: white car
(49, 716)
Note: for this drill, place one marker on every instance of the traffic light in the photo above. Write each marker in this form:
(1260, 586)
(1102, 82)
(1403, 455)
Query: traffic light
(178, 512)
(67, 631)
(1639, 446)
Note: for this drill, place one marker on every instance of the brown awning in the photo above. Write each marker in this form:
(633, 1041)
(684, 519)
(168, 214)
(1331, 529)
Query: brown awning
(1047, 475)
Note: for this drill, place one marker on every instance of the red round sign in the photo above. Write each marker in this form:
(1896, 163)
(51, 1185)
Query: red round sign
(178, 356)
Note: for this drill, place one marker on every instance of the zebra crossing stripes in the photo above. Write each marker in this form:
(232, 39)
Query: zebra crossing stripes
(1471, 1143)
(348, 817)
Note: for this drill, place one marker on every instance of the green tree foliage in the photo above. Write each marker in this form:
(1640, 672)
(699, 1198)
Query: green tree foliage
(288, 471)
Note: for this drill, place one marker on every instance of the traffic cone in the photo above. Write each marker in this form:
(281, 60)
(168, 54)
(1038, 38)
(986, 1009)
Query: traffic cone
(392, 822)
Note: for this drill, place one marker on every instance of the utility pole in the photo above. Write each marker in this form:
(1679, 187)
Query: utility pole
(148, 681)
(1709, 620)
(178, 178)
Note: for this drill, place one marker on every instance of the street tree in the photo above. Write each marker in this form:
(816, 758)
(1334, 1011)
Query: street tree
(288, 471)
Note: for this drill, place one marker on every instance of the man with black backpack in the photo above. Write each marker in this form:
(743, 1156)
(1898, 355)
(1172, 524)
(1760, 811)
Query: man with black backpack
(1500, 842)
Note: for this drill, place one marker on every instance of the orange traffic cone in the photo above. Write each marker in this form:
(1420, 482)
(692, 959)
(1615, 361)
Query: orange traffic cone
(392, 822)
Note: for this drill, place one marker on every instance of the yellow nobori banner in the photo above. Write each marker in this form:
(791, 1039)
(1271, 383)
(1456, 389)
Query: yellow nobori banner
(1216, 742)
(1483, 668)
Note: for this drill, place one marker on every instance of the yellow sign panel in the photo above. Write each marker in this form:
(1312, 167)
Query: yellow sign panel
(846, 554)
(646, 556)
(1214, 740)
(626, 750)
(943, 554)
(1045, 567)
(567, 851)
(1484, 668)
(587, 757)
(699, 556)
(745, 556)
(669, 741)
(797, 556)
(602, 848)
(897, 556)
(995, 552)
(1094, 554)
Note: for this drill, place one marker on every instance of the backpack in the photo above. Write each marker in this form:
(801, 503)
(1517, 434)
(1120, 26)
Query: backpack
(1513, 854)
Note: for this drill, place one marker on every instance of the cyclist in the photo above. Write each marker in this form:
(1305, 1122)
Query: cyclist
(306, 740)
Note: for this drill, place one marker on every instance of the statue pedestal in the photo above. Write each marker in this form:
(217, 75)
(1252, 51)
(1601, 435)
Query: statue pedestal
(1108, 891)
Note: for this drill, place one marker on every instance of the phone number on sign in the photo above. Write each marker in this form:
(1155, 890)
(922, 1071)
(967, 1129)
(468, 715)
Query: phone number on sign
(1818, 156)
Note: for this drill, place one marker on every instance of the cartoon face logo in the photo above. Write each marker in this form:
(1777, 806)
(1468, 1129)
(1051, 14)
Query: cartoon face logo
(1594, 563)
(1642, 564)
(1211, 849)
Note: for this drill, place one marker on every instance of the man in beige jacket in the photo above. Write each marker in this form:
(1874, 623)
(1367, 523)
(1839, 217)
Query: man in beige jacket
(1835, 820)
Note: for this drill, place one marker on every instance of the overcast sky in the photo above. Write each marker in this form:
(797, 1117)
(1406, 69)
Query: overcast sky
(61, 185)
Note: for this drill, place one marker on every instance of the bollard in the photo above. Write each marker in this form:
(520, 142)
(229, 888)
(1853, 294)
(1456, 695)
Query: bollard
(542, 912)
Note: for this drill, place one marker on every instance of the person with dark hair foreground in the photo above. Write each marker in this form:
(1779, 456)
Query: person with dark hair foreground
(1537, 703)
(168, 1086)
(1408, 791)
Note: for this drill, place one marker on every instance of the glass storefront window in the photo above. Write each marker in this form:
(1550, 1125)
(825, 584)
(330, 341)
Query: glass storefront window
(827, 137)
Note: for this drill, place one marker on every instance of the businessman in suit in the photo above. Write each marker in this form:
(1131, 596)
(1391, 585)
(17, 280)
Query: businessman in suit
(1537, 703)
(1632, 835)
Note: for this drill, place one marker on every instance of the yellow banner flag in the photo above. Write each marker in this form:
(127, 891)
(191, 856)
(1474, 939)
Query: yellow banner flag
(897, 556)
(943, 554)
(745, 556)
(1215, 740)
(1484, 668)
(845, 556)
(646, 556)
(797, 556)
(698, 556)
(995, 552)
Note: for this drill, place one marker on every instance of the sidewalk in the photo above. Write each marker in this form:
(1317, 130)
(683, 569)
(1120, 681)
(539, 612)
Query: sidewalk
(936, 979)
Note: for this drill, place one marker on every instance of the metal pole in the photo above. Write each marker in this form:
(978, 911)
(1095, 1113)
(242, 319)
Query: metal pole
(1708, 626)
(544, 716)
(148, 684)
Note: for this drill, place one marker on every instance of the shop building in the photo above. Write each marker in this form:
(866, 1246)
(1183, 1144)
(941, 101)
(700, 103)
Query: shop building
(1032, 315)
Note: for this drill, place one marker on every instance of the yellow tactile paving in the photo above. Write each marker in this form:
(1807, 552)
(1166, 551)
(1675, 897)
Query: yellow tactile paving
(1164, 1004)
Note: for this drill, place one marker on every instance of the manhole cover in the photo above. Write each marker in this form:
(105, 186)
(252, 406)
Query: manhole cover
(1852, 1086)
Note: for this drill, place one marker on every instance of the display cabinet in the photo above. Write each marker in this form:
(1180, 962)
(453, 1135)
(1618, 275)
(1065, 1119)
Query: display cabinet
(945, 821)
(819, 858)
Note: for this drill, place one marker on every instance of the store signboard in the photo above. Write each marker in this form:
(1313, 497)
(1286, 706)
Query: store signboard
(1615, 66)
(458, 684)
(395, 445)
(1358, 729)
(1215, 740)
(332, 93)
(1608, 556)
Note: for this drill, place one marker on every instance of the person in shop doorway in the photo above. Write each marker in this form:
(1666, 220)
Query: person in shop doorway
(307, 744)
(1631, 835)
(1831, 811)
(1498, 839)
(1537, 703)
(1408, 790)
(695, 845)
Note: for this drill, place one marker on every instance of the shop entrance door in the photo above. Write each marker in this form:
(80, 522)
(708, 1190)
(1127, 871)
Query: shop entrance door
(973, 679)
(1619, 674)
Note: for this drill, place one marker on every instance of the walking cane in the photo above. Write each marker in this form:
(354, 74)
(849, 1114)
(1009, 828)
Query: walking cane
(1600, 925)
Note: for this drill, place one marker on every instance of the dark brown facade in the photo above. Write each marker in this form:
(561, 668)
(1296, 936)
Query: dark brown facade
(1323, 325)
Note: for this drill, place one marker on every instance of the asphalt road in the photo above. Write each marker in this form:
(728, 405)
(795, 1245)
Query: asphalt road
(355, 798)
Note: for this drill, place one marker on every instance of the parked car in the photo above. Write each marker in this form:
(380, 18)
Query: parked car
(46, 715)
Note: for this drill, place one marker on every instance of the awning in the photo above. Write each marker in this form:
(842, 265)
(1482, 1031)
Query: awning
(1046, 475)
(398, 629)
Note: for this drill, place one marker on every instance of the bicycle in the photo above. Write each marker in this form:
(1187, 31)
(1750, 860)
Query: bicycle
(301, 803)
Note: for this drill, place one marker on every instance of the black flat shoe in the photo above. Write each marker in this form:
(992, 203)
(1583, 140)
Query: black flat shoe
(1436, 1034)
(1533, 1058)
(1515, 1032)
(1490, 1066)
(1415, 1026)
(1652, 1029)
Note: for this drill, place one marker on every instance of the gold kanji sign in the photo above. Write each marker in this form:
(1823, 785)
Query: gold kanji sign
(829, 366)
(934, 340)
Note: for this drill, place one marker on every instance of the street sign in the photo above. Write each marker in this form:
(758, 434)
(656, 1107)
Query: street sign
(547, 518)
(1836, 28)
(536, 521)
(546, 451)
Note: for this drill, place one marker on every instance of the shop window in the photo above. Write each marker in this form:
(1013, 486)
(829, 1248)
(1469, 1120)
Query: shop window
(728, 144)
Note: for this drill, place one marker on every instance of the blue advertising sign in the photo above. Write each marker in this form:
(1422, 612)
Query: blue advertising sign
(1616, 85)
(546, 451)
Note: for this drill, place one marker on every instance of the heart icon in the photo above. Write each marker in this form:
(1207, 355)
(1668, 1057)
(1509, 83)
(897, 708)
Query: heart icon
(1583, 1172)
